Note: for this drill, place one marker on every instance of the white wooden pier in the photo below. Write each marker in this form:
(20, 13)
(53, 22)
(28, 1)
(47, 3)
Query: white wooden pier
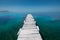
(29, 31)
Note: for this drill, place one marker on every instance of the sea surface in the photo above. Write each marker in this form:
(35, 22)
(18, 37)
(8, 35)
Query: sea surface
(48, 22)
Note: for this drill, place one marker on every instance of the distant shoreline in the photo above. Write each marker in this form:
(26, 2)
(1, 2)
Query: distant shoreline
(4, 11)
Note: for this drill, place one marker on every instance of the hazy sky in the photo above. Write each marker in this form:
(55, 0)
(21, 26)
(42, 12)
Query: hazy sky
(30, 5)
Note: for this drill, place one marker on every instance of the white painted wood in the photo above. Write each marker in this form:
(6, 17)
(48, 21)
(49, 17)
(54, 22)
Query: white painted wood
(29, 31)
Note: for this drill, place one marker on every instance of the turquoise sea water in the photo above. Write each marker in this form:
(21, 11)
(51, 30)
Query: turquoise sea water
(11, 22)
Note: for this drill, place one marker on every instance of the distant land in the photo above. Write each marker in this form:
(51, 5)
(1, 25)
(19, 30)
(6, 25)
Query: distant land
(4, 11)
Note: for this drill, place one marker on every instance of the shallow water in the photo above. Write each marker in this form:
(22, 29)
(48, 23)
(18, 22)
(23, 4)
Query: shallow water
(10, 23)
